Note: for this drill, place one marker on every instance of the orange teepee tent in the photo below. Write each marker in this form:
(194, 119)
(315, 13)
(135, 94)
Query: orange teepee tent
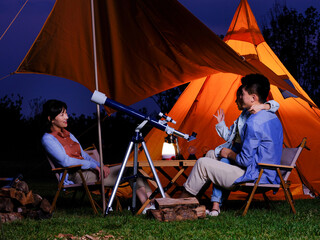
(202, 98)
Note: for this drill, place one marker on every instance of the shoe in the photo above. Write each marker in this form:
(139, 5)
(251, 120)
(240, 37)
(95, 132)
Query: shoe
(213, 213)
(148, 208)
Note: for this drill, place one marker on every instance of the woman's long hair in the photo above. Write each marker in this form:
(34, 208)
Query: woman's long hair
(50, 110)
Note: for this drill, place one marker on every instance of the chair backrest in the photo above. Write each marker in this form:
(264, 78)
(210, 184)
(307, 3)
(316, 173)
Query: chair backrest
(52, 167)
(94, 154)
(290, 156)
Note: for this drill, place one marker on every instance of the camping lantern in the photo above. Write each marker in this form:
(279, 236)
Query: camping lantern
(169, 148)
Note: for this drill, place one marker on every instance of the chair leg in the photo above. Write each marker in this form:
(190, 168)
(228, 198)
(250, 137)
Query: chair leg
(287, 192)
(58, 191)
(252, 193)
(88, 192)
(118, 206)
(266, 199)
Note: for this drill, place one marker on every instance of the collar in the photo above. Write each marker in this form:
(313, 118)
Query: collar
(63, 134)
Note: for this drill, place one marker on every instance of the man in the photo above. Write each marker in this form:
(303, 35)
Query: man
(261, 139)
(233, 141)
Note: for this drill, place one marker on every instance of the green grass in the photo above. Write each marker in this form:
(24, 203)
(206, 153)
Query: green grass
(259, 223)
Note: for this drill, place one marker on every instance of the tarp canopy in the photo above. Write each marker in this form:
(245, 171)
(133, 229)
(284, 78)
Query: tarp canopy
(143, 47)
(202, 98)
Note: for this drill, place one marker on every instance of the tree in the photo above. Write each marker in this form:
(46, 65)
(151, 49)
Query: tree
(12, 134)
(166, 99)
(36, 106)
(295, 38)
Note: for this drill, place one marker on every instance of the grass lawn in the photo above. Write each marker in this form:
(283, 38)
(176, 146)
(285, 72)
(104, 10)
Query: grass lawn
(259, 223)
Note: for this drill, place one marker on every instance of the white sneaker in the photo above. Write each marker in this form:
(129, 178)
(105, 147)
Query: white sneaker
(213, 213)
(147, 208)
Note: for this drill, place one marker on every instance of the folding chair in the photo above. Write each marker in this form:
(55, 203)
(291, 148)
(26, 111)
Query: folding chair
(75, 187)
(288, 162)
(91, 187)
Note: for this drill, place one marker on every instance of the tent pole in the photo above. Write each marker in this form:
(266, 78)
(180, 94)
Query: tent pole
(98, 106)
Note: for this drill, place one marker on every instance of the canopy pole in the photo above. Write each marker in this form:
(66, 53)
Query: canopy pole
(98, 106)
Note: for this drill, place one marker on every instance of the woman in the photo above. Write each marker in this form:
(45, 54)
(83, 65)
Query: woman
(65, 150)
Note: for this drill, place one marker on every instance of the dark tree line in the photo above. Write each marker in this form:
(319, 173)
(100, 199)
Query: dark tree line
(295, 39)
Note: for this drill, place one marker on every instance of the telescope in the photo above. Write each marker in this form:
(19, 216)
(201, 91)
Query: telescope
(101, 98)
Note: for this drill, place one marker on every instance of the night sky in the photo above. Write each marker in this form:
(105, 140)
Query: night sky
(216, 14)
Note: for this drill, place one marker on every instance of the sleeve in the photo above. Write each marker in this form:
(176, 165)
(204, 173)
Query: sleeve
(274, 106)
(223, 131)
(85, 155)
(252, 139)
(55, 150)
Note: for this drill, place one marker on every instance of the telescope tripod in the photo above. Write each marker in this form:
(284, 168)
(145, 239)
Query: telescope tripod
(136, 140)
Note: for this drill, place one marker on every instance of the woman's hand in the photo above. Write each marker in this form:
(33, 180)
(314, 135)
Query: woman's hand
(220, 115)
(106, 171)
(258, 107)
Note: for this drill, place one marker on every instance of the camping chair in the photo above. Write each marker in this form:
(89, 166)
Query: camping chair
(288, 162)
(75, 187)
(91, 187)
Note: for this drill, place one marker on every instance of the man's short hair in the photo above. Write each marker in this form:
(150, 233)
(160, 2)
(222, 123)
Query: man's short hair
(257, 84)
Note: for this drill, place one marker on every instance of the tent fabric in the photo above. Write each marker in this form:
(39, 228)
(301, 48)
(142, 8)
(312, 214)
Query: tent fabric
(143, 47)
(219, 91)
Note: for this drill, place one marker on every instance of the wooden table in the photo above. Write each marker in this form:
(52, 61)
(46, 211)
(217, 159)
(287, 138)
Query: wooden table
(179, 165)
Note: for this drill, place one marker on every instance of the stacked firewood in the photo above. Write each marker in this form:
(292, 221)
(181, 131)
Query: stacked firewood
(18, 202)
(171, 209)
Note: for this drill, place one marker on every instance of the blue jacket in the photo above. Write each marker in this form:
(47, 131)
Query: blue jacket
(262, 139)
(228, 135)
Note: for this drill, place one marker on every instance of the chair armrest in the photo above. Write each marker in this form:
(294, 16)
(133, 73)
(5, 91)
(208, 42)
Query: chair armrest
(72, 168)
(275, 166)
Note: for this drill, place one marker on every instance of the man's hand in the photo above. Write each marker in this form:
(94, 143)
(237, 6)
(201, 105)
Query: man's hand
(228, 153)
(220, 115)
(258, 107)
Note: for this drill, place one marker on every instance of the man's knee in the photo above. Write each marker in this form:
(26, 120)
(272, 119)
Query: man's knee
(204, 162)
(211, 154)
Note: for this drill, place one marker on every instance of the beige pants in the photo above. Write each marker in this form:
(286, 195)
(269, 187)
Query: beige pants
(92, 176)
(211, 154)
(220, 173)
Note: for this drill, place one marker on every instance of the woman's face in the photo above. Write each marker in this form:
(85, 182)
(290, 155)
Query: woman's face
(239, 103)
(60, 121)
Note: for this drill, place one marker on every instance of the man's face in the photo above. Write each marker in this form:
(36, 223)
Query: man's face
(247, 99)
